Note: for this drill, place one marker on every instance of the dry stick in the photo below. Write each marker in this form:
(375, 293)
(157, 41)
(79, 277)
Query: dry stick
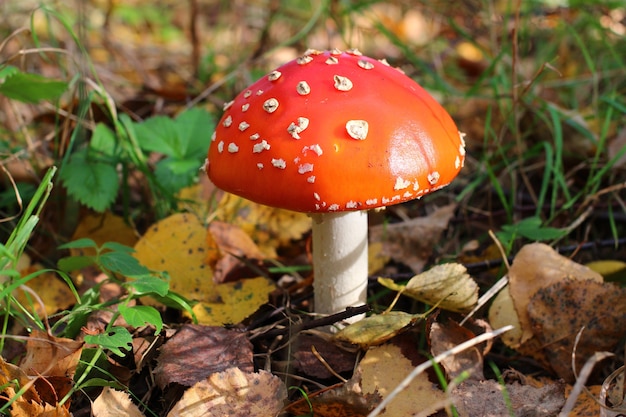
(580, 382)
(437, 359)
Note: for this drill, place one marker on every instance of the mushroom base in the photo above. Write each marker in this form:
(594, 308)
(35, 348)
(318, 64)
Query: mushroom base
(340, 261)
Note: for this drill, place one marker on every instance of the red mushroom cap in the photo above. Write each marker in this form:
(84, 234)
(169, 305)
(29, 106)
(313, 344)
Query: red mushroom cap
(333, 131)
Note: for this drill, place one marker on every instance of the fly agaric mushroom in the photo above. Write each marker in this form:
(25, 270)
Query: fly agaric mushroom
(334, 134)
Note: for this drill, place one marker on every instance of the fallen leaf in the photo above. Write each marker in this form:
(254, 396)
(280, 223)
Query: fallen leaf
(489, 398)
(376, 329)
(177, 244)
(48, 356)
(309, 364)
(195, 352)
(448, 286)
(535, 266)
(383, 368)
(102, 228)
(559, 311)
(269, 227)
(237, 300)
(341, 400)
(233, 392)
(411, 242)
(445, 336)
(53, 292)
(502, 313)
(236, 250)
(114, 403)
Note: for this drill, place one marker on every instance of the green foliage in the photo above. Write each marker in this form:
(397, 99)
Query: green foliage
(29, 88)
(116, 339)
(93, 173)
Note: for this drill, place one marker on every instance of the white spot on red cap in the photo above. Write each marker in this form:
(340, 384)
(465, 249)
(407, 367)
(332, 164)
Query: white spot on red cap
(303, 88)
(270, 105)
(243, 126)
(433, 178)
(261, 146)
(279, 163)
(357, 129)
(247, 94)
(342, 83)
(332, 61)
(228, 104)
(304, 168)
(245, 107)
(254, 136)
(228, 121)
(295, 128)
(233, 148)
(401, 184)
(365, 64)
(220, 146)
(274, 75)
(313, 148)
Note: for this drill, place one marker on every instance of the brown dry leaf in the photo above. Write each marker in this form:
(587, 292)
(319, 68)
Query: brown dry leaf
(54, 293)
(309, 364)
(559, 311)
(383, 368)
(195, 352)
(376, 329)
(342, 400)
(51, 356)
(237, 300)
(28, 409)
(536, 266)
(586, 406)
(448, 286)
(41, 394)
(235, 393)
(236, 252)
(268, 227)
(177, 244)
(102, 228)
(445, 336)
(411, 242)
(488, 398)
(113, 403)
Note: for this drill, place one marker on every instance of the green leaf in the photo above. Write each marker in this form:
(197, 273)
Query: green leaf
(94, 183)
(104, 141)
(117, 247)
(185, 138)
(79, 244)
(138, 316)
(148, 284)
(30, 88)
(531, 228)
(116, 339)
(122, 263)
(74, 263)
(158, 134)
(194, 127)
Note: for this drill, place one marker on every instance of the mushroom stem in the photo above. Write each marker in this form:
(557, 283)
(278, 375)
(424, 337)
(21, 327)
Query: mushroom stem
(339, 260)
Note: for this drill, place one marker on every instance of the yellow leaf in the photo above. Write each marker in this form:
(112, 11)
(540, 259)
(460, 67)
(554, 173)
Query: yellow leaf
(376, 329)
(233, 393)
(54, 293)
(383, 368)
(102, 228)
(448, 286)
(113, 403)
(178, 245)
(269, 227)
(237, 300)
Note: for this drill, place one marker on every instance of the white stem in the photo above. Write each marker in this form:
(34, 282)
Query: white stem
(339, 260)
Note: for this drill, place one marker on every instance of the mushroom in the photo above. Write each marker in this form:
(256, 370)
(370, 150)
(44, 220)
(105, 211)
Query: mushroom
(334, 134)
